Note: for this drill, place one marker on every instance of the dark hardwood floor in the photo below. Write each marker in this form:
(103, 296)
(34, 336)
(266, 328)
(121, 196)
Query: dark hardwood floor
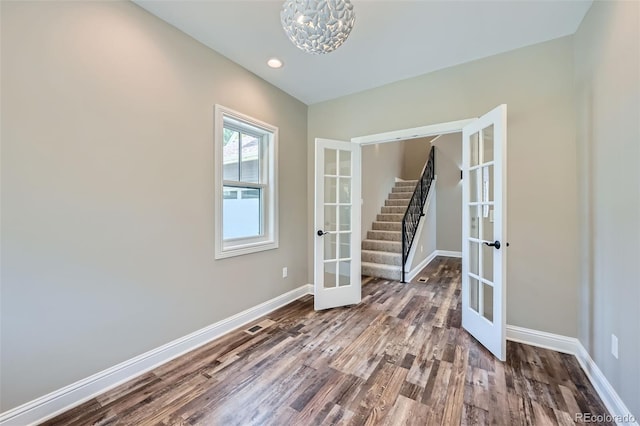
(398, 358)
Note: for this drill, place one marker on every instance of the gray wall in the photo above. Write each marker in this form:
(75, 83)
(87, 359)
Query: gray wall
(537, 84)
(449, 184)
(381, 164)
(607, 55)
(415, 155)
(107, 191)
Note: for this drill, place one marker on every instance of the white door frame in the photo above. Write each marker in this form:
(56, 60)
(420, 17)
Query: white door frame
(414, 132)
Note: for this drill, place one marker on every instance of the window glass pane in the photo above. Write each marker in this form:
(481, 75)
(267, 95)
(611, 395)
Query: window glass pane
(487, 144)
(230, 154)
(345, 190)
(330, 274)
(487, 262)
(241, 212)
(344, 273)
(330, 189)
(474, 185)
(474, 294)
(345, 218)
(487, 186)
(474, 258)
(487, 301)
(474, 221)
(474, 148)
(330, 242)
(487, 223)
(345, 163)
(345, 245)
(330, 218)
(330, 162)
(250, 158)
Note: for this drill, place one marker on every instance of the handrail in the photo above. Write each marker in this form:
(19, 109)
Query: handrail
(414, 212)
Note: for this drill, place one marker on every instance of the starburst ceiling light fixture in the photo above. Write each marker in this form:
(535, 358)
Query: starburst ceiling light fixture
(317, 26)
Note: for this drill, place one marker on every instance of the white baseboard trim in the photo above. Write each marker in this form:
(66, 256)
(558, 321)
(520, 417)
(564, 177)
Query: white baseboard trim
(570, 345)
(542, 339)
(615, 405)
(415, 271)
(63, 399)
(447, 253)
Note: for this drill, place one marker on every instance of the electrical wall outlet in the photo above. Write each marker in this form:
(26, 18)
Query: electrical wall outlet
(285, 272)
(614, 345)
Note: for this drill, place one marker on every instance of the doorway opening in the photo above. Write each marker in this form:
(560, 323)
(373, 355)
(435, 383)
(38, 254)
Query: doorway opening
(410, 214)
(338, 194)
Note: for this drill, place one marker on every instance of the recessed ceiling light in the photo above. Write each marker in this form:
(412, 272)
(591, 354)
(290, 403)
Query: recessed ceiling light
(275, 63)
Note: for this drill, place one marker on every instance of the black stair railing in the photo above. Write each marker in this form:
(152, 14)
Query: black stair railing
(414, 212)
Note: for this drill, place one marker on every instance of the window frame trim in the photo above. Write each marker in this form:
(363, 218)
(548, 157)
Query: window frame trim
(269, 239)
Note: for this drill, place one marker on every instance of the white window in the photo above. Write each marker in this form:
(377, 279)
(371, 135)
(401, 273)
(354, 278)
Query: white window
(246, 191)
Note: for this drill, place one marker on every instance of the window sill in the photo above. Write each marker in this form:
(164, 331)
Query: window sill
(247, 248)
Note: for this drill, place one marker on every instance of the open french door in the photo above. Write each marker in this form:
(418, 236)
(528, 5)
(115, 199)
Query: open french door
(484, 229)
(337, 273)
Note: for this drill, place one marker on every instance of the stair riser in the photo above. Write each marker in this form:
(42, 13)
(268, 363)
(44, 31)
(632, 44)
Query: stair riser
(381, 273)
(387, 226)
(380, 257)
(402, 203)
(400, 195)
(385, 236)
(394, 210)
(390, 246)
(390, 217)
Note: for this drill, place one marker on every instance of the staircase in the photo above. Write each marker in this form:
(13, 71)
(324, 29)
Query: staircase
(382, 250)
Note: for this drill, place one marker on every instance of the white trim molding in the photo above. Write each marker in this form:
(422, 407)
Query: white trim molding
(447, 253)
(542, 339)
(570, 345)
(267, 184)
(70, 396)
(609, 396)
(444, 253)
(413, 133)
(420, 266)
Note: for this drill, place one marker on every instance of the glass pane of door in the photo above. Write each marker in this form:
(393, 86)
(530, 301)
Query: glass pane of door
(487, 298)
(344, 205)
(487, 144)
(337, 218)
(330, 162)
(330, 274)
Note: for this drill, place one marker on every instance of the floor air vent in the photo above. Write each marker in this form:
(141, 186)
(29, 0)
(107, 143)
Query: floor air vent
(254, 329)
(422, 279)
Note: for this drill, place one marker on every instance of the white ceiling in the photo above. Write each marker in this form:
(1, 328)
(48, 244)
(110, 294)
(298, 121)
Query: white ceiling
(391, 40)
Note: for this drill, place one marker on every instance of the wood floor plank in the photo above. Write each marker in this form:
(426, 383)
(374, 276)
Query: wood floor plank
(400, 357)
(455, 390)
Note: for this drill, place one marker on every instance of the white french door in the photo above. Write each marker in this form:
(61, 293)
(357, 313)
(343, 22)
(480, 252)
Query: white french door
(484, 230)
(337, 274)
